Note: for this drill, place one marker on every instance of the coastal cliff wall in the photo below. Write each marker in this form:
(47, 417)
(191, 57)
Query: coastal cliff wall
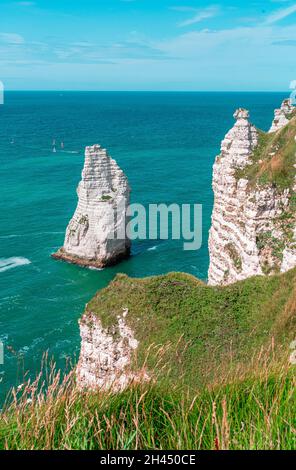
(172, 326)
(253, 219)
(103, 195)
(253, 232)
(106, 354)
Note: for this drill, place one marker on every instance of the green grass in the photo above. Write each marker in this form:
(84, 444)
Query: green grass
(252, 414)
(273, 158)
(234, 255)
(216, 328)
(273, 164)
(218, 359)
(106, 198)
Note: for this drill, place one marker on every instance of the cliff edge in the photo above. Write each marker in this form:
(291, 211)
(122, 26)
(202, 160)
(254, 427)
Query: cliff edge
(253, 220)
(197, 330)
(178, 328)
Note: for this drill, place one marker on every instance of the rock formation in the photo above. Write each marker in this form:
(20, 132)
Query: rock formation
(105, 360)
(253, 232)
(96, 235)
(282, 116)
(253, 219)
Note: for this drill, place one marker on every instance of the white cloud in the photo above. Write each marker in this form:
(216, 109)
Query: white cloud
(246, 46)
(11, 38)
(280, 14)
(82, 44)
(199, 14)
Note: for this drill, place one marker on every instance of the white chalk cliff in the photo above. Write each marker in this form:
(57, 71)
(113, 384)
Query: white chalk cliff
(281, 116)
(106, 354)
(253, 232)
(253, 229)
(96, 234)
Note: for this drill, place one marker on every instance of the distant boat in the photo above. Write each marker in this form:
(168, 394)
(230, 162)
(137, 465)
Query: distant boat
(54, 146)
(12, 141)
(62, 145)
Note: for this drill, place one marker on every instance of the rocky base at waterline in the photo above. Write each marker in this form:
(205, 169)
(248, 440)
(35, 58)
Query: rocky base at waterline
(96, 234)
(61, 255)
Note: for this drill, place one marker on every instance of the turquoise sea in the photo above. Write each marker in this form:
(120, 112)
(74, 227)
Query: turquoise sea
(165, 142)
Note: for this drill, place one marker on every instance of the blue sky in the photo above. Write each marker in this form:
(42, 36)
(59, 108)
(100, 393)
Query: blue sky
(147, 44)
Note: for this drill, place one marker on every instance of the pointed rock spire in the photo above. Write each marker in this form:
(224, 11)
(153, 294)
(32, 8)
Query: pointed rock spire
(281, 115)
(96, 234)
(240, 141)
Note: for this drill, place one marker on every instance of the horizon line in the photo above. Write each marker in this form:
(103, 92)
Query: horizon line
(149, 91)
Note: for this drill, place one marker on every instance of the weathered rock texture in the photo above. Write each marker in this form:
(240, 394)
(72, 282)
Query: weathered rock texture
(282, 116)
(251, 225)
(106, 355)
(96, 235)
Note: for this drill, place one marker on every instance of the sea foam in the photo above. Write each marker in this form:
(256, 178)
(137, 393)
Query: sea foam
(13, 262)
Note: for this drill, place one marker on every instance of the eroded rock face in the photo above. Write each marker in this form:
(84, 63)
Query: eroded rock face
(246, 236)
(240, 141)
(281, 116)
(106, 355)
(96, 235)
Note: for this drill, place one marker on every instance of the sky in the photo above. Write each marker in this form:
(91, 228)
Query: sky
(157, 45)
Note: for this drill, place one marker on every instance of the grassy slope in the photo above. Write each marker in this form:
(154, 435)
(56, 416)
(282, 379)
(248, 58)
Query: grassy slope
(273, 163)
(220, 355)
(211, 329)
(274, 157)
(251, 406)
(253, 414)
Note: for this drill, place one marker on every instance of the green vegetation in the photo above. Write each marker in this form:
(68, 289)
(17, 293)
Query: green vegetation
(219, 360)
(234, 255)
(216, 328)
(106, 198)
(273, 159)
(275, 247)
(273, 163)
(250, 414)
(263, 238)
(83, 220)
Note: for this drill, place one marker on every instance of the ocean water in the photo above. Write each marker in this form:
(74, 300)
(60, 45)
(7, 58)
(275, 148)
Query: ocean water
(165, 142)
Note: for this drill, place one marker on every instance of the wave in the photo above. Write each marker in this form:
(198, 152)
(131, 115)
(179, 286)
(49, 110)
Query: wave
(13, 262)
(46, 233)
(10, 236)
(30, 234)
(152, 248)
